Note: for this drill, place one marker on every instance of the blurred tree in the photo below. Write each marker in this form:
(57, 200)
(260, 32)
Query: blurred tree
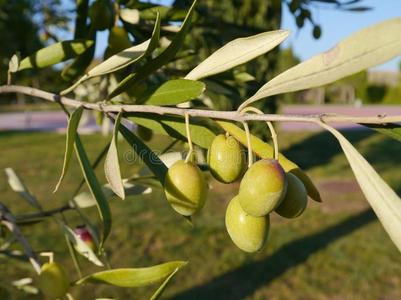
(25, 26)
(221, 21)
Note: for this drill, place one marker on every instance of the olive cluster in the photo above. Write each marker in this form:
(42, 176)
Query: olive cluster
(265, 187)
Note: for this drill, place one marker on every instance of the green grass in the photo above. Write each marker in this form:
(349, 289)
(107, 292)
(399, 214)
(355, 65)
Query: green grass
(335, 250)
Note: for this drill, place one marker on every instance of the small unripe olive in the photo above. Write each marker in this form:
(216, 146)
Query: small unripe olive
(226, 159)
(101, 14)
(262, 188)
(185, 187)
(118, 40)
(144, 133)
(295, 200)
(53, 280)
(247, 232)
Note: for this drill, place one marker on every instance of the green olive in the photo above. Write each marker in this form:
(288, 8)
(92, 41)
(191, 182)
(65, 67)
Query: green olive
(262, 188)
(53, 280)
(185, 187)
(247, 232)
(295, 200)
(226, 159)
(101, 14)
(118, 40)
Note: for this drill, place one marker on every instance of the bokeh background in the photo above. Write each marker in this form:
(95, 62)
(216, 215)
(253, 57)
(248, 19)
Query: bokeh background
(336, 250)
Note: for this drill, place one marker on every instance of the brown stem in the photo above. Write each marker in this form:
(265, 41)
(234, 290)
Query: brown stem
(224, 115)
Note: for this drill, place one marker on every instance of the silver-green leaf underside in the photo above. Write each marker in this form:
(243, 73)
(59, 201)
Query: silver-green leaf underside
(363, 49)
(132, 187)
(112, 165)
(134, 277)
(237, 52)
(383, 200)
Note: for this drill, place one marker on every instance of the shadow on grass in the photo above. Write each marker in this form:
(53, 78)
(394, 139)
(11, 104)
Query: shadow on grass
(320, 148)
(243, 281)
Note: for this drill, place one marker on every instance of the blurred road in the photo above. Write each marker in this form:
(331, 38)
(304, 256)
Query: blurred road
(56, 120)
(369, 110)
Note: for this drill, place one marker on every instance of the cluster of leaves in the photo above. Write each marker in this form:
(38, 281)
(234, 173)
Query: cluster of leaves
(133, 64)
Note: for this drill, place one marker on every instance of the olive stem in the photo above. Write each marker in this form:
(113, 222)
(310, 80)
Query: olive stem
(50, 255)
(191, 148)
(271, 128)
(8, 220)
(248, 142)
(222, 115)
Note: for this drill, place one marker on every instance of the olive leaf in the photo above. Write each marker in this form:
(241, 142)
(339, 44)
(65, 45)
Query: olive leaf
(18, 186)
(383, 200)
(95, 188)
(264, 150)
(111, 164)
(133, 277)
(122, 59)
(156, 63)
(173, 92)
(14, 62)
(132, 187)
(80, 246)
(55, 53)
(363, 49)
(175, 126)
(145, 153)
(237, 52)
(81, 28)
(390, 129)
(130, 15)
(73, 123)
(163, 286)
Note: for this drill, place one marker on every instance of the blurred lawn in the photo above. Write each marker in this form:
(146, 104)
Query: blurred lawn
(335, 250)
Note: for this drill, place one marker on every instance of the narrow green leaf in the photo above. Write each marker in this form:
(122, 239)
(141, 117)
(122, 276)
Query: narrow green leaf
(390, 129)
(122, 59)
(163, 286)
(145, 153)
(153, 65)
(173, 92)
(383, 200)
(175, 126)
(95, 188)
(94, 166)
(55, 53)
(128, 56)
(80, 246)
(72, 128)
(18, 186)
(237, 52)
(112, 165)
(135, 277)
(79, 66)
(364, 49)
(264, 150)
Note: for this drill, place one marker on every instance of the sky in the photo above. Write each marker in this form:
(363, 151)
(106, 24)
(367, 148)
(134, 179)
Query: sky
(336, 25)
